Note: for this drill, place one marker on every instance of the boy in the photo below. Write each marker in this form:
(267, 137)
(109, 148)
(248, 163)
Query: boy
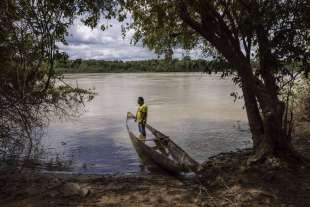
(141, 117)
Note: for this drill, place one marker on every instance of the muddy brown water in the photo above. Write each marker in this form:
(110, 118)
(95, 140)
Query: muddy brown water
(194, 109)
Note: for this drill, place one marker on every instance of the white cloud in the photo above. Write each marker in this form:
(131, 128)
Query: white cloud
(87, 43)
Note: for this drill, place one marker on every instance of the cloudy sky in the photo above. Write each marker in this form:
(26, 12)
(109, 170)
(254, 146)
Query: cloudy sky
(87, 43)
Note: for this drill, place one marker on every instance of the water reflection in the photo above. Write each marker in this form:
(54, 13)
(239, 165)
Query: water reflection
(195, 110)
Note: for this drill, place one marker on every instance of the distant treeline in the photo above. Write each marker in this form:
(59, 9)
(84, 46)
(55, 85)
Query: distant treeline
(155, 65)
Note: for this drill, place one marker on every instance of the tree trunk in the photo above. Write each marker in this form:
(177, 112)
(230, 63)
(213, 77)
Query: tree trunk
(274, 142)
(254, 118)
(265, 113)
(268, 132)
(263, 107)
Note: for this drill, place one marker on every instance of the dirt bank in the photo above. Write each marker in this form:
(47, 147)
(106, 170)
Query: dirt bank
(232, 183)
(225, 181)
(91, 190)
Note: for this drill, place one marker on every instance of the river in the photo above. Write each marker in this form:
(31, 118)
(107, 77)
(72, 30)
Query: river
(193, 109)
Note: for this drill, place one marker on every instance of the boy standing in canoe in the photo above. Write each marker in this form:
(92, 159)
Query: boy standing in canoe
(141, 117)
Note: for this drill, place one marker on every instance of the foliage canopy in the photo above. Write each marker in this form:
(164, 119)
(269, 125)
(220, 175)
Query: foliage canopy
(30, 90)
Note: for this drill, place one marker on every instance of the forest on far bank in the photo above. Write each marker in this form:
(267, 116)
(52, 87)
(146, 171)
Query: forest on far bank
(155, 65)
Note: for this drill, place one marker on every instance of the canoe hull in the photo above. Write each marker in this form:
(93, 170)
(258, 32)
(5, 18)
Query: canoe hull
(168, 155)
(149, 156)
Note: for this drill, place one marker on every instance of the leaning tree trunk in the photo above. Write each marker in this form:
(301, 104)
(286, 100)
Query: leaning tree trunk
(276, 139)
(265, 115)
(253, 114)
(263, 107)
(264, 111)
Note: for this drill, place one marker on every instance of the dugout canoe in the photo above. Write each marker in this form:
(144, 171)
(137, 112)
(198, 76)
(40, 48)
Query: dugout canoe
(161, 151)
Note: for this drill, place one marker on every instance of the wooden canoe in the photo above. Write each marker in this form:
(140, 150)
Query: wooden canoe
(164, 153)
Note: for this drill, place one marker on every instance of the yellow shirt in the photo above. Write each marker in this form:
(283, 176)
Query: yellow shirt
(141, 109)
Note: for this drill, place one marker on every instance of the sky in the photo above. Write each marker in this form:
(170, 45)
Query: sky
(87, 43)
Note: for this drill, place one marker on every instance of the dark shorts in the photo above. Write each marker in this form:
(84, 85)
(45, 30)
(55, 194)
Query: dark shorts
(141, 127)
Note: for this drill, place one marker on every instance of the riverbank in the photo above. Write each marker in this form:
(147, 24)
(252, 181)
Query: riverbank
(142, 66)
(226, 181)
(94, 190)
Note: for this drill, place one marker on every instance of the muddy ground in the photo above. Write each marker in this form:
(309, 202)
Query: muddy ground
(226, 181)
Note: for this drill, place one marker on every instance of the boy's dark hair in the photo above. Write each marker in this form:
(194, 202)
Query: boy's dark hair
(140, 98)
